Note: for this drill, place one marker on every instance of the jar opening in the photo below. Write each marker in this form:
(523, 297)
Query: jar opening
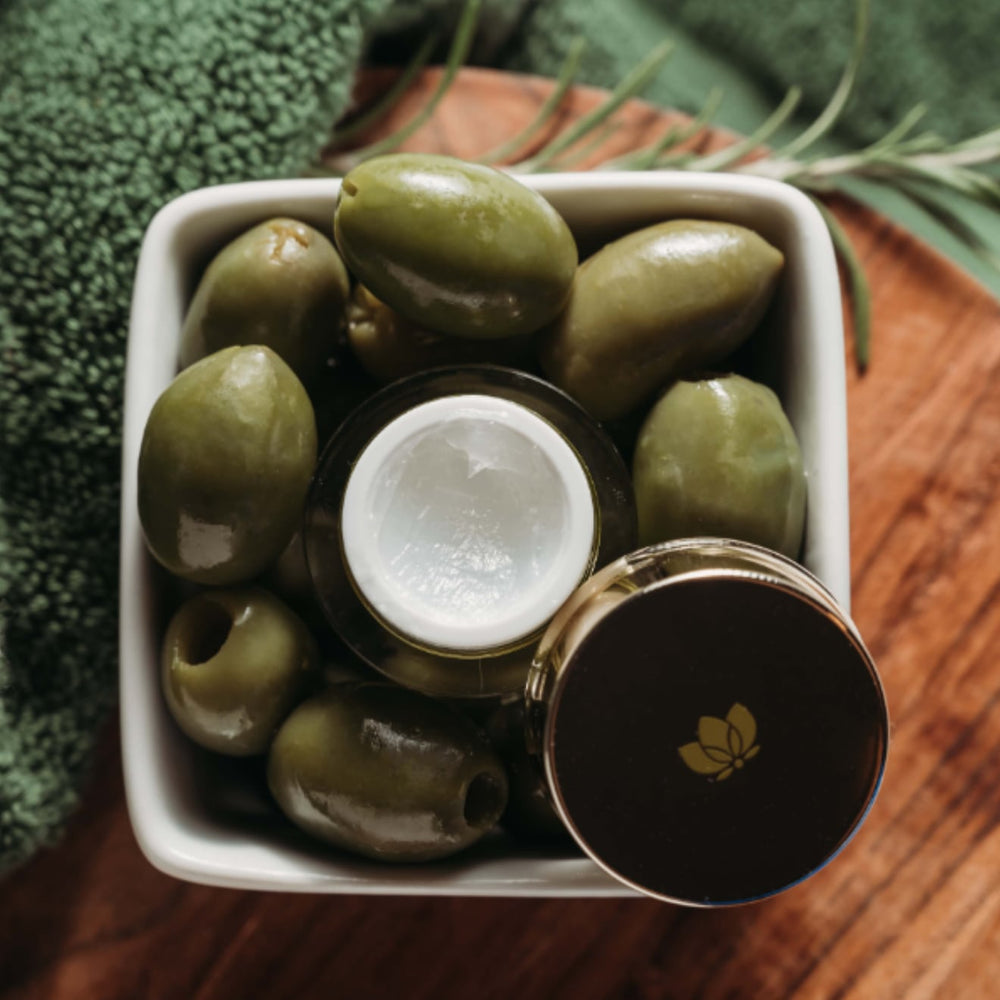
(467, 521)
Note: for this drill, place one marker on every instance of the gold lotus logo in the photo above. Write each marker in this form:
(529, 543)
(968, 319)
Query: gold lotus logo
(723, 745)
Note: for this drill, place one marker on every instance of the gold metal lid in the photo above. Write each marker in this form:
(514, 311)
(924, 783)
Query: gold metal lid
(711, 726)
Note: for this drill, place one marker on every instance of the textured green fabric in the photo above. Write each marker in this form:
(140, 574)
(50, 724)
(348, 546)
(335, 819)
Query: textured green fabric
(917, 51)
(109, 108)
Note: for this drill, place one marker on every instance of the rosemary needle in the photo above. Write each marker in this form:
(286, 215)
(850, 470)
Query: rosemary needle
(646, 159)
(632, 84)
(457, 55)
(833, 110)
(390, 98)
(738, 150)
(565, 80)
(859, 291)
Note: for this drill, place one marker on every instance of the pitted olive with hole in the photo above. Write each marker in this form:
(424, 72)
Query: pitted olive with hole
(717, 456)
(455, 247)
(234, 664)
(661, 302)
(385, 772)
(225, 462)
(388, 346)
(281, 284)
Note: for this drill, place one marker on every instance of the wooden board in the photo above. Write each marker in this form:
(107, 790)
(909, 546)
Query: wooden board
(910, 909)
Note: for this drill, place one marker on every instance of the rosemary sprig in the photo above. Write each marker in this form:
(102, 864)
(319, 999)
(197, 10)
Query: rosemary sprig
(922, 168)
(457, 56)
(385, 104)
(896, 135)
(565, 80)
(930, 202)
(571, 159)
(675, 135)
(634, 83)
(858, 290)
(739, 150)
(832, 112)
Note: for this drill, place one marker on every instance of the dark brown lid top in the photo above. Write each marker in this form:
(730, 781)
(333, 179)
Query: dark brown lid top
(716, 739)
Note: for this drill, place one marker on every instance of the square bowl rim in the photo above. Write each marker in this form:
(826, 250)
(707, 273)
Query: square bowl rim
(154, 826)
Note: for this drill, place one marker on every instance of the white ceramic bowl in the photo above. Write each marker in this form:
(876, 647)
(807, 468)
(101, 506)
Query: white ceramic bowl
(196, 816)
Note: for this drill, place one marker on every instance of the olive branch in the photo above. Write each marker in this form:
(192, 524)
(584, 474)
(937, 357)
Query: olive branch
(922, 167)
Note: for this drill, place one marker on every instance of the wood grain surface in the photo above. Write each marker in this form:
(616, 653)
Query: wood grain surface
(910, 909)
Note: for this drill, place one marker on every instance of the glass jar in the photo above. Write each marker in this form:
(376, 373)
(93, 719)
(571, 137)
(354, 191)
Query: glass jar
(450, 517)
(710, 726)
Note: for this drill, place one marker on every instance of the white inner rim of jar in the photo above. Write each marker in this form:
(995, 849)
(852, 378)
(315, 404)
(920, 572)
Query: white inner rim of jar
(467, 522)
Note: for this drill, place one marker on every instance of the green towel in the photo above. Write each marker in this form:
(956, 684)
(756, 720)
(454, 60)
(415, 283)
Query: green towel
(916, 51)
(109, 108)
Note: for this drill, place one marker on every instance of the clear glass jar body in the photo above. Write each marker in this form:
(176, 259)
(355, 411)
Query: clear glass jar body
(469, 673)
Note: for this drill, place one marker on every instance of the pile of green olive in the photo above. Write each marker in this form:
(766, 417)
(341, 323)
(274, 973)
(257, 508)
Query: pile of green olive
(433, 262)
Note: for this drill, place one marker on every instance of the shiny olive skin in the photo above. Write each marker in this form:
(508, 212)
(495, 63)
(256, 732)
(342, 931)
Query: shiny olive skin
(455, 247)
(661, 302)
(388, 346)
(386, 772)
(225, 462)
(234, 664)
(530, 815)
(281, 284)
(717, 456)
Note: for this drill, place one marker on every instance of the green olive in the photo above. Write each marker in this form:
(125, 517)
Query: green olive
(225, 462)
(455, 247)
(717, 456)
(385, 772)
(234, 664)
(282, 284)
(658, 303)
(530, 815)
(388, 346)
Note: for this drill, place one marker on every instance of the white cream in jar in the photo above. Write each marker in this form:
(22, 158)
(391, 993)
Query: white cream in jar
(466, 522)
(452, 515)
